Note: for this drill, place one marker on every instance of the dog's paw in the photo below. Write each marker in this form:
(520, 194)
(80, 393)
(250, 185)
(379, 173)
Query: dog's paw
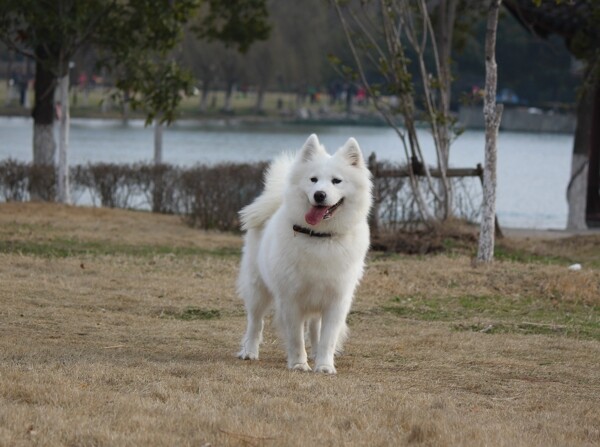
(300, 367)
(247, 355)
(325, 369)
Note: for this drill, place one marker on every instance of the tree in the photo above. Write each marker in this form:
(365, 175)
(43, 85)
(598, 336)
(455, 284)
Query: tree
(52, 32)
(236, 23)
(493, 114)
(231, 70)
(133, 38)
(262, 67)
(157, 86)
(576, 21)
(202, 59)
(392, 37)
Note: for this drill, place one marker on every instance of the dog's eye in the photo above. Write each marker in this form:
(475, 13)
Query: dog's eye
(335, 181)
(314, 179)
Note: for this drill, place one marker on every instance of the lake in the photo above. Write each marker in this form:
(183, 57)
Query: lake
(533, 169)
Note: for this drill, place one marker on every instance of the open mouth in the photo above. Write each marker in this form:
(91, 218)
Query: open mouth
(332, 209)
(316, 214)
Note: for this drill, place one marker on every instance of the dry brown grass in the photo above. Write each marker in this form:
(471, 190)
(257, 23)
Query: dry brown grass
(120, 328)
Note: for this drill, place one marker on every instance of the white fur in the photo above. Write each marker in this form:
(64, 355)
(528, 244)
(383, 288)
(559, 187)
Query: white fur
(308, 279)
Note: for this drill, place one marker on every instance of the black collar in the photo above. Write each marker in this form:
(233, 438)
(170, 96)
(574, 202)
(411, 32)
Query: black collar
(304, 230)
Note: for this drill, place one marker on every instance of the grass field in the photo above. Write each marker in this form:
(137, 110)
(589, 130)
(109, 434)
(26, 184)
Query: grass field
(120, 328)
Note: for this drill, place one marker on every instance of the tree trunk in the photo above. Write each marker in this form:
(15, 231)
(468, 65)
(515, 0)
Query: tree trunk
(204, 96)
(44, 145)
(158, 140)
(125, 108)
(62, 185)
(260, 100)
(446, 18)
(592, 212)
(578, 183)
(493, 114)
(9, 76)
(227, 107)
(158, 186)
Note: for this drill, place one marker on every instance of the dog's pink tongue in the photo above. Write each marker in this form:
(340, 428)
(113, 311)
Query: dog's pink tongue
(315, 215)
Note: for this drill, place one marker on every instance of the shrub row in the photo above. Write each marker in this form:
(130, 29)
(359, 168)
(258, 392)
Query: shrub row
(208, 197)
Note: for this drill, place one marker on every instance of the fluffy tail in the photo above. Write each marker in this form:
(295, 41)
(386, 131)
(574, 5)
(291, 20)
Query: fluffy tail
(264, 206)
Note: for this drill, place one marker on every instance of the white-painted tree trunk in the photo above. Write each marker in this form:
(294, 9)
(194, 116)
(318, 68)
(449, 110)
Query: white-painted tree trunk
(492, 113)
(158, 140)
(44, 145)
(63, 194)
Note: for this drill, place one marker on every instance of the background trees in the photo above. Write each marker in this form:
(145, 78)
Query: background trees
(132, 38)
(51, 33)
(577, 23)
(304, 33)
(139, 44)
(128, 35)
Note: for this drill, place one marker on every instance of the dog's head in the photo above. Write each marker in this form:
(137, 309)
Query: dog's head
(331, 190)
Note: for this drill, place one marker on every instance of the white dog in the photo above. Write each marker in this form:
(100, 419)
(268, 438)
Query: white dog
(306, 241)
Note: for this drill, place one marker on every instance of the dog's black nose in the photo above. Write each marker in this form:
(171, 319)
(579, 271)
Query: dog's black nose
(320, 196)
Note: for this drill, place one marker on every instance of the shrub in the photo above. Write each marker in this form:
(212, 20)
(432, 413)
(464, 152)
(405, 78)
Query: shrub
(14, 180)
(113, 184)
(42, 182)
(160, 186)
(212, 196)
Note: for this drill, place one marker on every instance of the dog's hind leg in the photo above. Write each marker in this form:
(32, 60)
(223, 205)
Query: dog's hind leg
(257, 300)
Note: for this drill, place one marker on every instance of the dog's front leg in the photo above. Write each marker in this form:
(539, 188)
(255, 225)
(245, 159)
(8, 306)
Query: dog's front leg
(293, 327)
(314, 331)
(332, 326)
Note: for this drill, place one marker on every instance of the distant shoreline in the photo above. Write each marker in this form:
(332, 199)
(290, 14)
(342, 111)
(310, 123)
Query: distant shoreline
(470, 118)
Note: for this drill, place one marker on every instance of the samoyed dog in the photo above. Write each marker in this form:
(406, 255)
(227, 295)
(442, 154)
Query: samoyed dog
(304, 250)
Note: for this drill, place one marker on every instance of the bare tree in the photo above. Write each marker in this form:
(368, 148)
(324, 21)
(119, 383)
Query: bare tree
(377, 32)
(493, 114)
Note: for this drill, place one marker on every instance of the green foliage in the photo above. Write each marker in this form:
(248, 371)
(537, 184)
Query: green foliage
(52, 31)
(235, 22)
(136, 48)
(133, 38)
(158, 88)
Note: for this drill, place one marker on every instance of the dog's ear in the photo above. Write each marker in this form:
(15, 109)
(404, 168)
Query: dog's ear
(351, 153)
(311, 148)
